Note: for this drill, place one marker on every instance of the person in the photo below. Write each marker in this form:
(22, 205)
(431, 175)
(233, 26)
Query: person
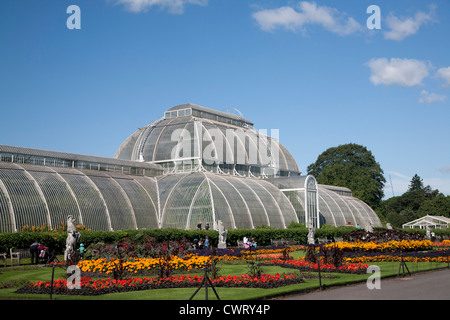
(43, 253)
(200, 244)
(195, 243)
(253, 242)
(207, 226)
(82, 250)
(34, 250)
(206, 242)
(245, 240)
(199, 226)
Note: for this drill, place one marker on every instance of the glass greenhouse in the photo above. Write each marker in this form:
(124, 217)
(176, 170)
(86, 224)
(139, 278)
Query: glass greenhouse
(190, 137)
(194, 164)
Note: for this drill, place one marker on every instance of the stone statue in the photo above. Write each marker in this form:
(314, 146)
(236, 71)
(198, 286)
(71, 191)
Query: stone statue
(222, 235)
(311, 233)
(428, 234)
(388, 226)
(72, 237)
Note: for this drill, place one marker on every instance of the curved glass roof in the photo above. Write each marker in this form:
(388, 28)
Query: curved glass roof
(36, 195)
(193, 132)
(187, 198)
(337, 207)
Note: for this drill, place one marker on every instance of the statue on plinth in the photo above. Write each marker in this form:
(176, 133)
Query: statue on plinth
(222, 244)
(72, 238)
(311, 233)
(428, 233)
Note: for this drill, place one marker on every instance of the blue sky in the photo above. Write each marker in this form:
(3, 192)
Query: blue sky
(313, 70)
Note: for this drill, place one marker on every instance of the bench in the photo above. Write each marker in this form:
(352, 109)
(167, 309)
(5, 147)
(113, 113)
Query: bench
(240, 244)
(276, 242)
(281, 242)
(17, 254)
(322, 240)
(289, 241)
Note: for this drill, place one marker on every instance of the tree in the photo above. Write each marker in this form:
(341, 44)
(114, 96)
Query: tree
(416, 183)
(352, 166)
(416, 202)
(417, 194)
(396, 219)
(438, 206)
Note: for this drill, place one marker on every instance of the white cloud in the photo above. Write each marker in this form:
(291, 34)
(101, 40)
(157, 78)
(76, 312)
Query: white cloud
(402, 28)
(308, 14)
(172, 6)
(429, 97)
(444, 73)
(403, 72)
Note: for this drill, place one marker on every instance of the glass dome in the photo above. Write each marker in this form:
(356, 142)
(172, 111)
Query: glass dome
(194, 135)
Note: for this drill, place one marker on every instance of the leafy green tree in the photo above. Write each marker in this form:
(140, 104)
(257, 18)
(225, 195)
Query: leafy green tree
(352, 166)
(396, 219)
(438, 206)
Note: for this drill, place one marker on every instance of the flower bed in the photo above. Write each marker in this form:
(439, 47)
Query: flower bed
(243, 253)
(134, 265)
(404, 245)
(444, 243)
(89, 286)
(304, 265)
(187, 263)
(422, 256)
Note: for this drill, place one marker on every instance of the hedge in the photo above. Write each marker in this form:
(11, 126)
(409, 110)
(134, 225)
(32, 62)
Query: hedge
(56, 240)
(262, 236)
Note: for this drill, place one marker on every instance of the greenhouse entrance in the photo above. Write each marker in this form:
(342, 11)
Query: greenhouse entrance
(305, 201)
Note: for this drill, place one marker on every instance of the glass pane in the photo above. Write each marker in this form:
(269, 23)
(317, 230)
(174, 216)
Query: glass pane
(92, 207)
(144, 210)
(58, 197)
(6, 217)
(201, 209)
(118, 208)
(29, 207)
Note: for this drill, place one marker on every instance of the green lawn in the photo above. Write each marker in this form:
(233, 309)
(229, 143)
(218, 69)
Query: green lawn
(10, 275)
